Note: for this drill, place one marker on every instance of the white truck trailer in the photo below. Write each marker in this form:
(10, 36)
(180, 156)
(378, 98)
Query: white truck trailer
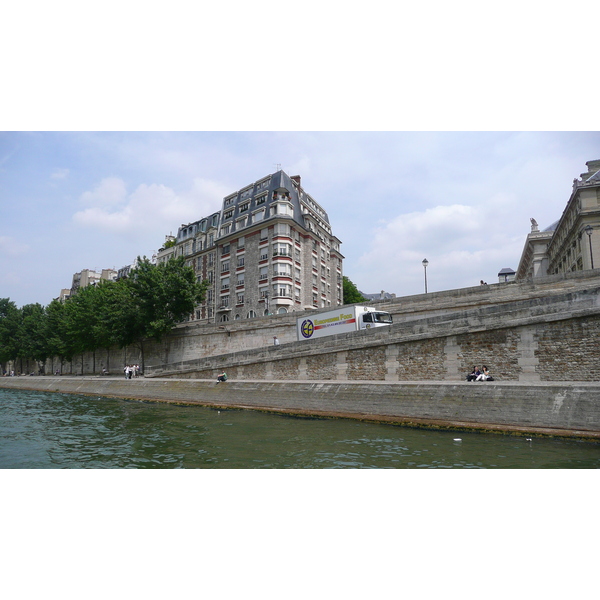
(341, 320)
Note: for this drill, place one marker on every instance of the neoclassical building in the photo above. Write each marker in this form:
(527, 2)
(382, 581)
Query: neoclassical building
(269, 250)
(573, 242)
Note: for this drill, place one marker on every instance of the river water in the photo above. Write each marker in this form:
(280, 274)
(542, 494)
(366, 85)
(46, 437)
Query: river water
(41, 430)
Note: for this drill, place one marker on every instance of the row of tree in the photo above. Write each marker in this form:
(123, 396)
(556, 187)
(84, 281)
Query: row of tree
(144, 306)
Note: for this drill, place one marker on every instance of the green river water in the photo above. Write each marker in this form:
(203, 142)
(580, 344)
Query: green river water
(41, 430)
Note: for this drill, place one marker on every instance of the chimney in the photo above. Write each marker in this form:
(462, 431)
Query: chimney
(296, 178)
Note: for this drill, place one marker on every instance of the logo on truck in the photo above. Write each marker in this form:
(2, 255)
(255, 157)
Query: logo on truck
(307, 328)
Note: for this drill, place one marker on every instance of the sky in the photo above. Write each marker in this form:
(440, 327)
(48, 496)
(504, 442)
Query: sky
(463, 200)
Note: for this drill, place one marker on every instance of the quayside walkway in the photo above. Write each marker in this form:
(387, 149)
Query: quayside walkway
(566, 409)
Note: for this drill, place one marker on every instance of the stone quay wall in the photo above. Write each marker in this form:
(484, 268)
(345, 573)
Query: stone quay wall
(552, 336)
(556, 409)
(539, 330)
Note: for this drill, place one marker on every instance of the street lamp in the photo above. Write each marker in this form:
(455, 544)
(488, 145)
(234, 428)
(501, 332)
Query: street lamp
(589, 230)
(425, 263)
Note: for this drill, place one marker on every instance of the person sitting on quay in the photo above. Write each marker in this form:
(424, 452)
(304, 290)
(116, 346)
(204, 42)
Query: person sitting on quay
(222, 377)
(474, 374)
(484, 375)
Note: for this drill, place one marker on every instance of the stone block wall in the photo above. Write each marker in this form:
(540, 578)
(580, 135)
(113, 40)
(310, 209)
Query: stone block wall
(569, 351)
(421, 360)
(495, 349)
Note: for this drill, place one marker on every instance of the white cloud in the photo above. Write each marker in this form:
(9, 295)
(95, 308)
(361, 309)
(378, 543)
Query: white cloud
(111, 191)
(60, 174)
(463, 245)
(11, 247)
(151, 210)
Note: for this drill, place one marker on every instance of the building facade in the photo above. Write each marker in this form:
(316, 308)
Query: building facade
(87, 277)
(573, 242)
(269, 250)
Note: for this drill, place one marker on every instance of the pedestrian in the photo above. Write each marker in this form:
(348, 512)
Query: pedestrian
(275, 341)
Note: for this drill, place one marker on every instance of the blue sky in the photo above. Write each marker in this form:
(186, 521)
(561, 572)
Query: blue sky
(462, 200)
(114, 133)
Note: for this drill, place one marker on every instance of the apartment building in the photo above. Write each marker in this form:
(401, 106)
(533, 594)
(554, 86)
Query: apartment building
(88, 277)
(269, 250)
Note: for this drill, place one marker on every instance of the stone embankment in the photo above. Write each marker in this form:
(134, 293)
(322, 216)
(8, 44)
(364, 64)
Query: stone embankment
(558, 409)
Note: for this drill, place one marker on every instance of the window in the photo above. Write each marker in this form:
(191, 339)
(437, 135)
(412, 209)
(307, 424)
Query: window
(225, 229)
(282, 290)
(228, 214)
(283, 229)
(264, 273)
(240, 298)
(251, 315)
(282, 250)
(282, 270)
(241, 243)
(224, 301)
(264, 256)
(244, 207)
(282, 209)
(225, 250)
(225, 283)
(224, 266)
(259, 215)
(240, 261)
(264, 234)
(240, 279)
(261, 199)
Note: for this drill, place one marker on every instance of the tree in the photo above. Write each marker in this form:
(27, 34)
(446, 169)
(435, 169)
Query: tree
(9, 324)
(55, 332)
(155, 298)
(351, 293)
(30, 333)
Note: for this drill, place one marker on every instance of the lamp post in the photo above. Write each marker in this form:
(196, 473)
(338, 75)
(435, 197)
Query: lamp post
(425, 263)
(589, 230)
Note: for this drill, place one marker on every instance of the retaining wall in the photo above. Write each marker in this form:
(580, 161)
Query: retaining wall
(571, 410)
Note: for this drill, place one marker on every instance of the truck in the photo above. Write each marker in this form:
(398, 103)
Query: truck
(341, 320)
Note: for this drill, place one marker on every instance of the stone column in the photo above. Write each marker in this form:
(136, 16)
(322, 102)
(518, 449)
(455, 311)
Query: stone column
(452, 360)
(527, 359)
(391, 362)
(342, 366)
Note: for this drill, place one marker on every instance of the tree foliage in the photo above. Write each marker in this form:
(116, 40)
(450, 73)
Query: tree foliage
(147, 305)
(351, 293)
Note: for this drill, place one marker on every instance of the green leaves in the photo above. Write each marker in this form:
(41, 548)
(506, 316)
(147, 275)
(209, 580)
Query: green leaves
(351, 293)
(148, 304)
